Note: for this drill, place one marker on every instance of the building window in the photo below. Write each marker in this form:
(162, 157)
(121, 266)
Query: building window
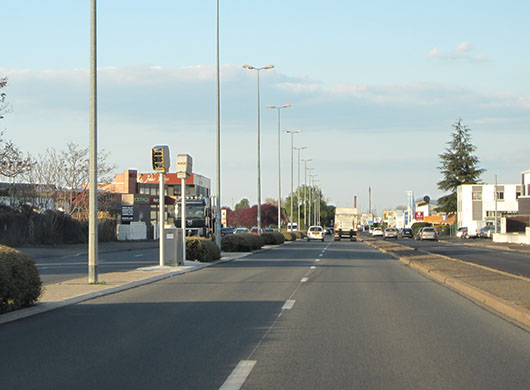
(517, 194)
(477, 195)
(500, 195)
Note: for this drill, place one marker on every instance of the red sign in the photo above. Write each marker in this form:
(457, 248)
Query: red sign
(418, 215)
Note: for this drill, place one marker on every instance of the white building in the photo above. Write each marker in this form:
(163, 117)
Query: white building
(476, 204)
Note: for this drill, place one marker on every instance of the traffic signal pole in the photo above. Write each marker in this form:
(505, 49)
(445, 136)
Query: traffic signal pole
(162, 215)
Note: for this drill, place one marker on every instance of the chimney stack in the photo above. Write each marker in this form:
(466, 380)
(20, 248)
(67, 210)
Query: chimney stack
(355, 201)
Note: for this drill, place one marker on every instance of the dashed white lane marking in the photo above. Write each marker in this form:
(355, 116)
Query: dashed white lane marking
(239, 375)
(288, 305)
(320, 255)
(304, 280)
(317, 259)
(140, 255)
(312, 267)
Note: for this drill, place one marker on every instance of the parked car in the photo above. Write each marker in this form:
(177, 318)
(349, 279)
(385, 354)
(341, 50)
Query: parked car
(406, 232)
(315, 233)
(241, 230)
(377, 232)
(390, 233)
(427, 233)
(486, 232)
(254, 230)
(269, 230)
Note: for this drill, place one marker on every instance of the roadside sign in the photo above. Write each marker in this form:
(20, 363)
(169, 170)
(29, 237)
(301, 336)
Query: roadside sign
(127, 214)
(418, 215)
(223, 217)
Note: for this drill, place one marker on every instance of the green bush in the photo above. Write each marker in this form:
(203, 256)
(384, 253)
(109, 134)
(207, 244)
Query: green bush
(202, 249)
(289, 236)
(246, 242)
(20, 284)
(273, 238)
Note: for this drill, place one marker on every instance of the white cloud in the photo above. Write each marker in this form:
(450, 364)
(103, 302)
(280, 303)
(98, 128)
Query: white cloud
(461, 52)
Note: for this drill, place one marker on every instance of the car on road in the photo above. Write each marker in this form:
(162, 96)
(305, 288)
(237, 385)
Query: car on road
(390, 233)
(241, 230)
(329, 231)
(269, 230)
(427, 233)
(315, 233)
(377, 232)
(461, 232)
(406, 232)
(486, 232)
(227, 230)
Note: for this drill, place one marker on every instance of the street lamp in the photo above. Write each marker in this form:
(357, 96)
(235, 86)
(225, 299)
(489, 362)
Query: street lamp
(298, 188)
(314, 198)
(250, 67)
(279, 166)
(305, 190)
(292, 132)
(310, 195)
(218, 139)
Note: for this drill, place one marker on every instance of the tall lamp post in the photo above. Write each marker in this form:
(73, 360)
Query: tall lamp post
(298, 188)
(250, 67)
(279, 167)
(305, 190)
(218, 192)
(292, 132)
(93, 172)
(314, 199)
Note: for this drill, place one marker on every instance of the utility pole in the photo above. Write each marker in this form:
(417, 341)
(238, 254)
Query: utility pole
(495, 197)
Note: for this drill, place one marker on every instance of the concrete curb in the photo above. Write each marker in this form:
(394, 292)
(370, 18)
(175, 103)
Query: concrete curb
(43, 307)
(515, 313)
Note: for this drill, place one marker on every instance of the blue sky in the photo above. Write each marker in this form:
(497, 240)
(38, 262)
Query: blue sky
(375, 87)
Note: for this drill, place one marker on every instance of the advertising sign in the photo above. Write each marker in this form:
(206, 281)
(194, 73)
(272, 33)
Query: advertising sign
(418, 215)
(127, 214)
(223, 217)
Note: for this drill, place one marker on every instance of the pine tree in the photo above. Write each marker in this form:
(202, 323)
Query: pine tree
(458, 166)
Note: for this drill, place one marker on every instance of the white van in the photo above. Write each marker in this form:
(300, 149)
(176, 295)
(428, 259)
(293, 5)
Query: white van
(292, 228)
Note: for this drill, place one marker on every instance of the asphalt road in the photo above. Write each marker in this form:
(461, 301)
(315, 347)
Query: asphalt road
(513, 262)
(358, 319)
(58, 269)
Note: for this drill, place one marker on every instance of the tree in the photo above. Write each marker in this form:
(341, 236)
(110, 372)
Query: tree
(12, 160)
(243, 204)
(64, 175)
(458, 166)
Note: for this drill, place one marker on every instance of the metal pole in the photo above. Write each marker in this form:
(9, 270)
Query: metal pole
(183, 217)
(298, 190)
(310, 199)
(259, 162)
(93, 179)
(495, 197)
(292, 138)
(305, 191)
(218, 208)
(161, 217)
(279, 177)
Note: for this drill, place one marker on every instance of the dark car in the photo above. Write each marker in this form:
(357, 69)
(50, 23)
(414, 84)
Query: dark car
(486, 232)
(406, 232)
(227, 230)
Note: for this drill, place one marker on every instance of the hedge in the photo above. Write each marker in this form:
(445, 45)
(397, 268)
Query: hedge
(245, 242)
(289, 236)
(201, 249)
(273, 238)
(20, 284)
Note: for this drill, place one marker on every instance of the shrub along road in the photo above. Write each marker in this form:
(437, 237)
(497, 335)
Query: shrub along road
(300, 316)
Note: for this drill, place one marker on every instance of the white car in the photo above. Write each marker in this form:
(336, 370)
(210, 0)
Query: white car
(377, 232)
(315, 233)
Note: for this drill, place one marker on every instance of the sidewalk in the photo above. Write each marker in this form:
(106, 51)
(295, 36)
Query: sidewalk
(505, 293)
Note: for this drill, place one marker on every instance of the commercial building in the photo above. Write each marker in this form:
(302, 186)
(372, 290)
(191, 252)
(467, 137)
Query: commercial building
(478, 203)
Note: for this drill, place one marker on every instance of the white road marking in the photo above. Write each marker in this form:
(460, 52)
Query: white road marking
(317, 259)
(304, 280)
(320, 255)
(288, 305)
(312, 267)
(140, 255)
(239, 375)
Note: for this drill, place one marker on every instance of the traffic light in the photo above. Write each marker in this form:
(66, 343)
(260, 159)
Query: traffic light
(160, 158)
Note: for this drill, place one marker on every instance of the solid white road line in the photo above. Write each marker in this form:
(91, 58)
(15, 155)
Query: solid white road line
(304, 280)
(288, 305)
(239, 375)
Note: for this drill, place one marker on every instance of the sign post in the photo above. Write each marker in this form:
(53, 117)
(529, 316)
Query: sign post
(184, 169)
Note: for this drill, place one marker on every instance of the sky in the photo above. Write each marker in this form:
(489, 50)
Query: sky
(374, 86)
